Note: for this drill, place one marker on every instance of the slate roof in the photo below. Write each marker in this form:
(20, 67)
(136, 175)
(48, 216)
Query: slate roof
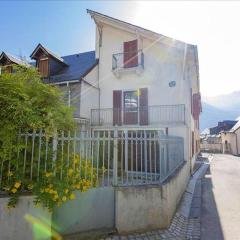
(13, 59)
(235, 127)
(78, 65)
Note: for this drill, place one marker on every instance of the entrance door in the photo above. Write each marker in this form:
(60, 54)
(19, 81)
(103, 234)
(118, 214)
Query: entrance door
(130, 106)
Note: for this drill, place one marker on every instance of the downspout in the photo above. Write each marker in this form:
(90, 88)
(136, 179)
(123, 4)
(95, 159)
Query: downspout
(99, 27)
(236, 143)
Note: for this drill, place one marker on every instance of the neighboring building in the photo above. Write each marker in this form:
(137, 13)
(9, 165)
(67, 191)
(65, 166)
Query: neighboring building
(148, 82)
(74, 74)
(231, 140)
(222, 126)
(7, 61)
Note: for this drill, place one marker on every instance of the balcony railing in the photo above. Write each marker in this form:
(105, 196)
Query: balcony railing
(151, 115)
(128, 60)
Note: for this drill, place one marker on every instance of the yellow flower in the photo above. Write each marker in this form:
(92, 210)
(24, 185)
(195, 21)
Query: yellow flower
(84, 189)
(14, 190)
(30, 187)
(64, 198)
(46, 189)
(66, 190)
(72, 196)
(55, 197)
(70, 172)
(77, 186)
(17, 184)
(48, 174)
(10, 173)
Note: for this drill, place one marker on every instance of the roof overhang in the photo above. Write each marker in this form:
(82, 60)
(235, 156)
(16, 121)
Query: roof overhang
(12, 60)
(47, 52)
(104, 19)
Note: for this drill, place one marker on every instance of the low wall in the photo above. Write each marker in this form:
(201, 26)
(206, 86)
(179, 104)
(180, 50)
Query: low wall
(150, 207)
(91, 210)
(25, 222)
(213, 147)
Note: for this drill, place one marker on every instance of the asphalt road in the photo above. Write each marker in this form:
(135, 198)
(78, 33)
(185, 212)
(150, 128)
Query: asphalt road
(220, 212)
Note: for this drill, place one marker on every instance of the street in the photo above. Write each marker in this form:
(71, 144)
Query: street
(220, 213)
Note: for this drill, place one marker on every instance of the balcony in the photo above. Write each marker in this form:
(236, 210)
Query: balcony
(151, 115)
(128, 61)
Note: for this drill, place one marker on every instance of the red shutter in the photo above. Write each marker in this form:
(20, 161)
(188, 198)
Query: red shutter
(117, 107)
(143, 106)
(196, 106)
(130, 56)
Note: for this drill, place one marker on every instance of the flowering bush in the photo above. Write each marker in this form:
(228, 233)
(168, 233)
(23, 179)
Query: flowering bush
(56, 186)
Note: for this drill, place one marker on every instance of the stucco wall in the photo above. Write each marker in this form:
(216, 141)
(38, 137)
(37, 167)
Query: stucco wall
(149, 207)
(18, 224)
(231, 140)
(91, 210)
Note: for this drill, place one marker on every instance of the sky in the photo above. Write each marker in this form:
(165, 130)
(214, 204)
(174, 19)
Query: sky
(66, 28)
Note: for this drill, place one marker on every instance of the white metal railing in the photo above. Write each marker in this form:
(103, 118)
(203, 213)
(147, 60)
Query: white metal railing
(158, 114)
(120, 61)
(116, 157)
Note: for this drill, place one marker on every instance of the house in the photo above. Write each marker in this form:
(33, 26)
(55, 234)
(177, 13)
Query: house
(7, 61)
(231, 140)
(147, 83)
(74, 75)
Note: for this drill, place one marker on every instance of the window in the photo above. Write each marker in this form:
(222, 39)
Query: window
(43, 67)
(131, 101)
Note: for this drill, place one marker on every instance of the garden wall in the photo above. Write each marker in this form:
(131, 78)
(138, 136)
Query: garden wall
(140, 208)
(25, 222)
(91, 210)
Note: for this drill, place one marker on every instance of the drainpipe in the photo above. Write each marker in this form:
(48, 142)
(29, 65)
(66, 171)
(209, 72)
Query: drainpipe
(236, 143)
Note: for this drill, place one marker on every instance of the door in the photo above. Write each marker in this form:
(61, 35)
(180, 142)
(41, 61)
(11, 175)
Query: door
(130, 106)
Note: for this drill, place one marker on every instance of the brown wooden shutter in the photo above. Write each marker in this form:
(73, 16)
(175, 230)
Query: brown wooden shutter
(193, 144)
(143, 106)
(43, 67)
(196, 106)
(130, 56)
(117, 107)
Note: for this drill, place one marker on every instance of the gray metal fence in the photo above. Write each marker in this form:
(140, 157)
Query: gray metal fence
(114, 157)
(158, 114)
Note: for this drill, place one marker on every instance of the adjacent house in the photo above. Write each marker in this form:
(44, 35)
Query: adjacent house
(231, 140)
(147, 82)
(7, 61)
(73, 74)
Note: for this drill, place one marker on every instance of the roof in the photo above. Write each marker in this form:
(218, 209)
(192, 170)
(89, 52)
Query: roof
(235, 127)
(13, 59)
(95, 14)
(48, 52)
(78, 65)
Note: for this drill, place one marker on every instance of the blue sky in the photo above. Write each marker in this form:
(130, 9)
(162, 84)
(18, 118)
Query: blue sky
(62, 26)
(66, 28)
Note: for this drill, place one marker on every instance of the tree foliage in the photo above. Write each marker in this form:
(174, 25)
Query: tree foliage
(26, 104)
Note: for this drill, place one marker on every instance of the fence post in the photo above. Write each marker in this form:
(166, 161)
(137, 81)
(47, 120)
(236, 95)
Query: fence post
(54, 149)
(115, 158)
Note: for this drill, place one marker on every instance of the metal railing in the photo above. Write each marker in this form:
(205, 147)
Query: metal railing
(120, 61)
(116, 157)
(159, 114)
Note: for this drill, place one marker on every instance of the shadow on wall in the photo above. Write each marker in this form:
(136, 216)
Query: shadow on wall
(210, 221)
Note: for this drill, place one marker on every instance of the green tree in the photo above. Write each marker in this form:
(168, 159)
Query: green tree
(26, 104)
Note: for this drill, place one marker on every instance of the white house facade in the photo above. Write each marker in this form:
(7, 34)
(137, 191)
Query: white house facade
(146, 81)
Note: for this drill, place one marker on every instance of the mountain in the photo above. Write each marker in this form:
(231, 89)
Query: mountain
(219, 108)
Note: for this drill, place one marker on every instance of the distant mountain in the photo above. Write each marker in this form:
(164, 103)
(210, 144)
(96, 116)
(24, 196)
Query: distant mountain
(219, 108)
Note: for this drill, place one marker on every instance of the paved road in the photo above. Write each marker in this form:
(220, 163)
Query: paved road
(220, 213)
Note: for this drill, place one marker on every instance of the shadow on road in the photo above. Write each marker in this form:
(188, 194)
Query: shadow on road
(211, 228)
